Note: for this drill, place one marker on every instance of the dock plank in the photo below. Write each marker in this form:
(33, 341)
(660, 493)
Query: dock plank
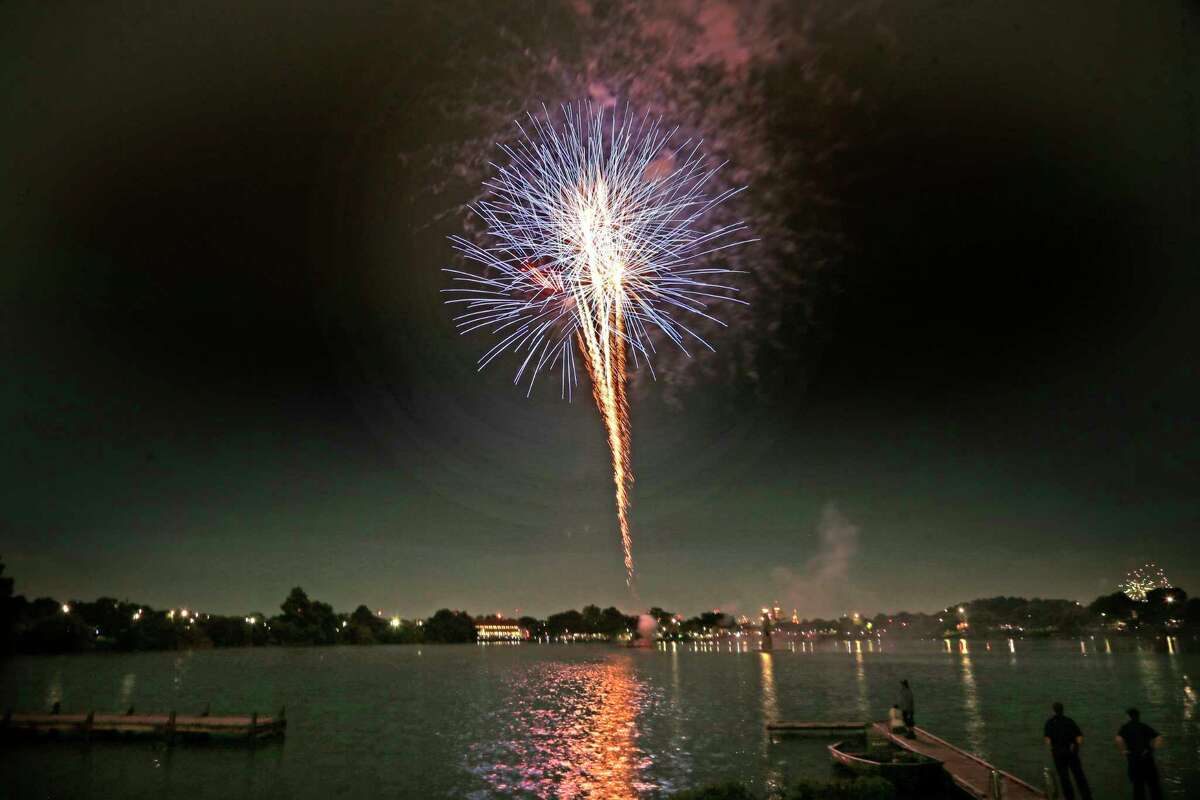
(969, 772)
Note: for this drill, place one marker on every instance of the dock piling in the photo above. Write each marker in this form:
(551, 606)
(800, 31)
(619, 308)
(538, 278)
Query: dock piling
(995, 785)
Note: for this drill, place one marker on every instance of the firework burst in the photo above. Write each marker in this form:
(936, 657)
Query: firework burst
(594, 240)
(1140, 582)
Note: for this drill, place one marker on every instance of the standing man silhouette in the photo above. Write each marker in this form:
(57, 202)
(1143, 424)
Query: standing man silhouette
(1137, 742)
(905, 702)
(1064, 738)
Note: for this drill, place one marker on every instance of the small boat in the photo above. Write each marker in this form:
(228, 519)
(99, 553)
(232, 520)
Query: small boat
(904, 768)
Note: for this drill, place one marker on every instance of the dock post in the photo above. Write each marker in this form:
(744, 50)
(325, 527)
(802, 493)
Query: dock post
(7, 718)
(996, 786)
(170, 731)
(87, 725)
(253, 726)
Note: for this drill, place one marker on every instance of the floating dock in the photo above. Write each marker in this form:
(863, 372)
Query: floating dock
(796, 726)
(169, 727)
(970, 773)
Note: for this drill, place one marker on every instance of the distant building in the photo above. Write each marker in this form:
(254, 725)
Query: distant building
(499, 629)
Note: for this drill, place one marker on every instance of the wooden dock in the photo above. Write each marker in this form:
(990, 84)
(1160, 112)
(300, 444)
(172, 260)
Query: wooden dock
(795, 726)
(969, 772)
(169, 727)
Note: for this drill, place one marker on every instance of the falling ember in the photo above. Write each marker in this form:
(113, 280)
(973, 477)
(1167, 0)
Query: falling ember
(595, 231)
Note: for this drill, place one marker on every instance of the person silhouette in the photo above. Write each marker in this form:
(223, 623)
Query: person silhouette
(1064, 738)
(1137, 742)
(905, 702)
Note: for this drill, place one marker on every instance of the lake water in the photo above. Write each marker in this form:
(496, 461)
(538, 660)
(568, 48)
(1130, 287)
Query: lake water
(579, 720)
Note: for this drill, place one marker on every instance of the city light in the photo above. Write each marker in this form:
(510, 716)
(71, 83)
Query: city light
(395, 623)
(66, 609)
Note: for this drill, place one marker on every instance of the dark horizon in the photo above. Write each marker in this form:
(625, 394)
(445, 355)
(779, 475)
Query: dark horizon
(967, 369)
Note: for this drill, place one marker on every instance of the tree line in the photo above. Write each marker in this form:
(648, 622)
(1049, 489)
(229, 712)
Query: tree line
(46, 625)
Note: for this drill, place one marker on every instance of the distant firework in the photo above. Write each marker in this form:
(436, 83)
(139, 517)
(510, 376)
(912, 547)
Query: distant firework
(1141, 581)
(594, 230)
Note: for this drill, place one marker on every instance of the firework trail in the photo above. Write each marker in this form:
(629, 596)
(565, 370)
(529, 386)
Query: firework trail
(593, 240)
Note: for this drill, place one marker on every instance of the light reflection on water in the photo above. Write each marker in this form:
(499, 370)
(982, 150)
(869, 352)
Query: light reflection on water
(974, 720)
(1150, 669)
(770, 711)
(128, 683)
(860, 682)
(581, 742)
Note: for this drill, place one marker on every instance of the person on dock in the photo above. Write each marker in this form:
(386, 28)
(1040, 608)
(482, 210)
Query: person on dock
(1064, 739)
(1137, 742)
(905, 702)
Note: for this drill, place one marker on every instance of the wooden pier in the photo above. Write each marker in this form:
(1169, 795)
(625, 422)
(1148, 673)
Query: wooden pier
(170, 727)
(970, 773)
(796, 726)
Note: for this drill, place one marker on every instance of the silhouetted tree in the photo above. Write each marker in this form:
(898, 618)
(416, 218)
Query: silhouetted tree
(296, 607)
(614, 623)
(564, 622)
(365, 627)
(450, 627)
(1115, 607)
(592, 619)
(660, 616)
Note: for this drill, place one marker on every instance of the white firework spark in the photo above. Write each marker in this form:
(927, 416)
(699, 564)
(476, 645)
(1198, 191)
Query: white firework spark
(597, 217)
(594, 236)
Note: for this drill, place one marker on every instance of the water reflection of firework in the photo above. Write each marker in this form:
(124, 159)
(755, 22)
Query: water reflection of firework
(572, 733)
(1141, 581)
(595, 232)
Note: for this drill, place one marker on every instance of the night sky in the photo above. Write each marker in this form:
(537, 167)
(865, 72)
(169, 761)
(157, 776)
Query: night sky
(969, 368)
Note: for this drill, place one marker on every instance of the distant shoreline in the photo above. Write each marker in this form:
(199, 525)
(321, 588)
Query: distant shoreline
(46, 625)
